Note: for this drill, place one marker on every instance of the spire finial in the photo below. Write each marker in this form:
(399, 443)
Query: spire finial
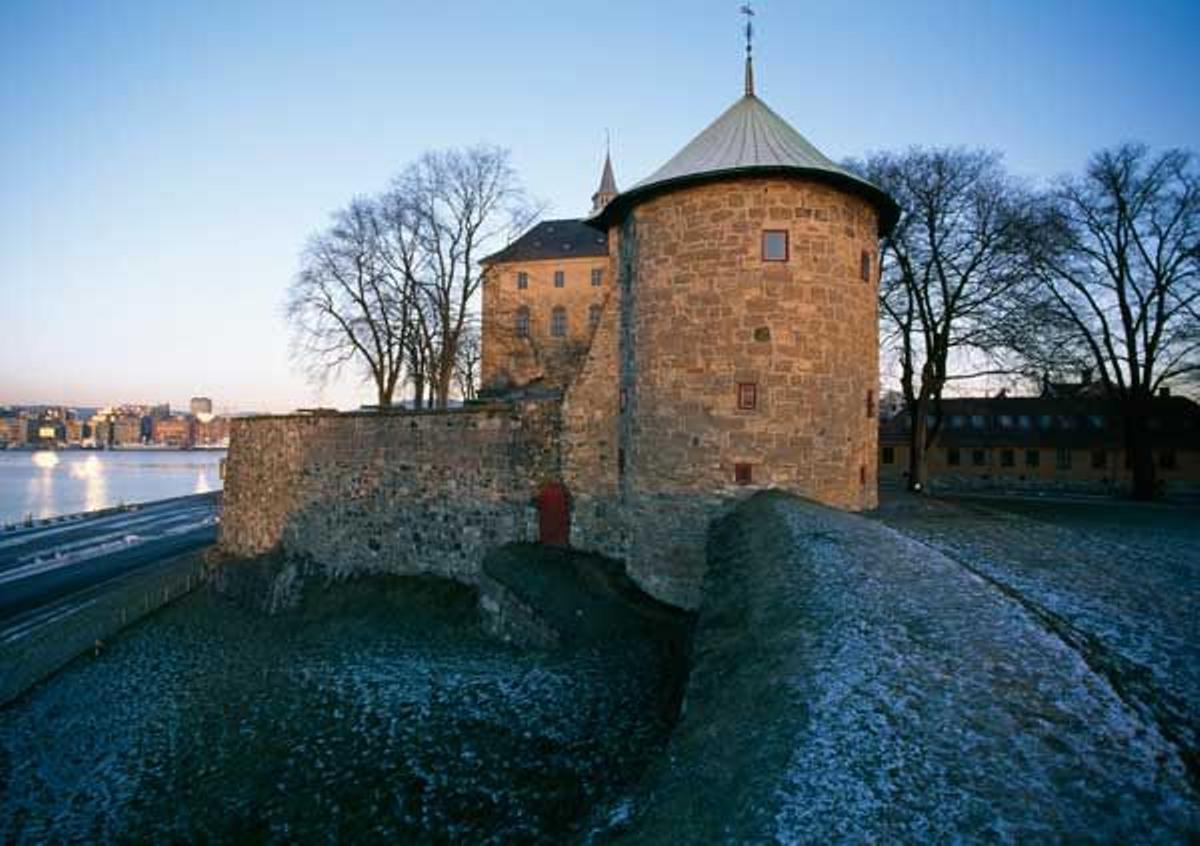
(749, 13)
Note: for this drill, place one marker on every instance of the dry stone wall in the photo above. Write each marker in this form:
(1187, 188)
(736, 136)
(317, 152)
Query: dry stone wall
(399, 493)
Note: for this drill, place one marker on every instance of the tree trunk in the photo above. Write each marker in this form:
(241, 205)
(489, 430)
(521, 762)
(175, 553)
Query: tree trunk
(916, 445)
(1140, 451)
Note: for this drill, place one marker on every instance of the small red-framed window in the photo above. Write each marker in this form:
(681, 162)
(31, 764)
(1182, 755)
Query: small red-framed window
(747, 396)
(743, 474)
(775, 245)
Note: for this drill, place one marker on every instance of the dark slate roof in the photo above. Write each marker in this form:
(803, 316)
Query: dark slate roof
(748, 138)
(554, 239)
(1078, 422)
(608, 182)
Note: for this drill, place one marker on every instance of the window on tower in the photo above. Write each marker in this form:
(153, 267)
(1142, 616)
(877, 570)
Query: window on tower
(775, 245)
(747, 396)
(865, 266)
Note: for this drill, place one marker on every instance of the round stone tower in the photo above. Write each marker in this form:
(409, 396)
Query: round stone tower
(747, 271)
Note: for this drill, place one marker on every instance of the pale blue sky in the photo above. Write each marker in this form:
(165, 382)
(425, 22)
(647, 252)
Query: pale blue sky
(162, 163)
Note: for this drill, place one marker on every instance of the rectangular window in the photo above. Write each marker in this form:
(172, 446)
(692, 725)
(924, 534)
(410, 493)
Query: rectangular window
(1099, 459)
(560, 279)
(597, 277)
(522, 281)
(593, 316)
(558, 322)
(624, 398)
(1007, 458)
(1032, 458)
(620, 462)
(522, 323)
(979, 457)
(775, 245)
(889, 455)
(743, 474)
(1062, 458)
(870, 404)
(747, 396)
(864, 266)
(953, 457)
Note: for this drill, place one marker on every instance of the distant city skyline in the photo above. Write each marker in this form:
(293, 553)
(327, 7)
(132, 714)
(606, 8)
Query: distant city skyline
(164, 164)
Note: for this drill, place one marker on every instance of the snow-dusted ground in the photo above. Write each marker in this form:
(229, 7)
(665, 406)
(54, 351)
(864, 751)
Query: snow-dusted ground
(852, 684)
(381, 714)
(1119, 582)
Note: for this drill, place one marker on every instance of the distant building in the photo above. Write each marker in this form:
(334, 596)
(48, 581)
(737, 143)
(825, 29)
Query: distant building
(127, 430)
(200, 406)
(213, 432)
(175, 431)
(14, 428)
(1067, 440)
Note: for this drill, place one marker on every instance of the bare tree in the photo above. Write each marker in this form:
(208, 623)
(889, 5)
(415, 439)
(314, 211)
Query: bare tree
(466, 367)
(1118, 266)
(346, 307)
(461, 204)
(950, 269)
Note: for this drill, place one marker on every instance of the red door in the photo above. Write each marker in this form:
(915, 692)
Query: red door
(554, 515)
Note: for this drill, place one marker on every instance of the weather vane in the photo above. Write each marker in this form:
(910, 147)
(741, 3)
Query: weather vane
(749, 13)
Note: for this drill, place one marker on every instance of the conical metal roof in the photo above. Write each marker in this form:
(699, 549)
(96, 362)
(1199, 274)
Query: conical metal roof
(748, 138)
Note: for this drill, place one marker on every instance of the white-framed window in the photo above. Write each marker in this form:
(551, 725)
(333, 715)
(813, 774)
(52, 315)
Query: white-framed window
(558, 322)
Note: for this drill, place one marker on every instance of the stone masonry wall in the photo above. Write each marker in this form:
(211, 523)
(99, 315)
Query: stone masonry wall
(399, 493)
(704, 312)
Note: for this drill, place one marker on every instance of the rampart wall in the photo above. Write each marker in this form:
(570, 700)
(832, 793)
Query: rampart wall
(404, 493)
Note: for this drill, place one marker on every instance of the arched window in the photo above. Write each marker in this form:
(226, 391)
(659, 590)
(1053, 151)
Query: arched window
(522, 325)
(558, 322)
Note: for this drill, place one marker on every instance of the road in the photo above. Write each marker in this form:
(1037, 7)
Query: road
(52, 571)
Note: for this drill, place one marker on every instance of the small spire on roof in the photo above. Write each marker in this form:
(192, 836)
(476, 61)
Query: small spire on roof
(608, 183)
(749, 13)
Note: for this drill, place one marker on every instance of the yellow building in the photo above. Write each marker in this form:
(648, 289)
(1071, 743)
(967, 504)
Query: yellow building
(543, 296)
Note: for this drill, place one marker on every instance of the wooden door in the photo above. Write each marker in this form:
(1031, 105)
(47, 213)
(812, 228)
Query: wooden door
(554, 515)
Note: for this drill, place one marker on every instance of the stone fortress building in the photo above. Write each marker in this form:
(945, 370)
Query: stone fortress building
(708, 332)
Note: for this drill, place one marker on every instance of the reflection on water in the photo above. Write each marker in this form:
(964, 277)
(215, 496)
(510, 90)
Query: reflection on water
(45, 459)
(47, 484)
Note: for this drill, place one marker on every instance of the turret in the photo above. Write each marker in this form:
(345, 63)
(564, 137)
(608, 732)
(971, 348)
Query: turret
(608, 187)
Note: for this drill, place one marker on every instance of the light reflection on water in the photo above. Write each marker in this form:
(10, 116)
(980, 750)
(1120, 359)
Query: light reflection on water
(47, 484)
